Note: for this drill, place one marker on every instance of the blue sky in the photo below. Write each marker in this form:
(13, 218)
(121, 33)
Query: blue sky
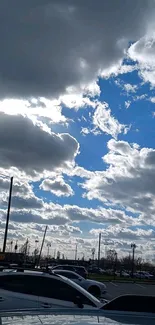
(139, 116)
(77, 116)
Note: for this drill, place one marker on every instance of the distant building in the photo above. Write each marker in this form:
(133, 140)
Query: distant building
(11, 258)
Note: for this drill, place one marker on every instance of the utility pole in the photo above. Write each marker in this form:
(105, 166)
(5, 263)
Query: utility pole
(48, 249)
(16, 246)
(42, 245)
(115, 263)
(99, 248)
(8, 215)
(26, 249)
(76, 252)
(93, 253)
(133, 246)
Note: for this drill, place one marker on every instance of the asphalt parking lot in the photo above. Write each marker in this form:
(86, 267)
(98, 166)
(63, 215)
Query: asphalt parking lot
(117, 289)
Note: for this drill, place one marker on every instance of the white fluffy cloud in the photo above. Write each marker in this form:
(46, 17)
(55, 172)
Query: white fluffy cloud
(127, 103)
(152, 100)
(118, 69)
(107, 123)
(128, 180)
(122, 237)
(143, 52)
(130, 88)
(57, 187)
(34, 108)
(118, 232)
(36, 211)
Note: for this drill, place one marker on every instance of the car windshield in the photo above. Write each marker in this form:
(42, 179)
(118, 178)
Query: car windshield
(44, 318)
(70, 275)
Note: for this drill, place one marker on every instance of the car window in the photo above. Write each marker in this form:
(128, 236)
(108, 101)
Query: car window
(80, 268)
(42, 286)
(27, 284)
(63, 267)
(58, 289)
(69, 268)
(69, 275)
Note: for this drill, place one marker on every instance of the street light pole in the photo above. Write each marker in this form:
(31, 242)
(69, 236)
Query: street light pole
(76, 252)
(42, 245)
(99, 249)
(133, 246)
(8, 215)
(48, 249)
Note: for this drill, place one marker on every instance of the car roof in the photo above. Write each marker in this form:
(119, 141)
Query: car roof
(65, 265)
(64, 271)
(26, 272)
(15, 273)
(68, 265)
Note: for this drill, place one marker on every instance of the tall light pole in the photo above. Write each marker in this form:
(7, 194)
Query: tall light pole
(8, 215)
(36, 243)
(76, 252)
(93, 253)
(115, 263)
(48, 249)
(99, 248)
(42, 245)
(26, 250)
(133, 246)
(11, 243)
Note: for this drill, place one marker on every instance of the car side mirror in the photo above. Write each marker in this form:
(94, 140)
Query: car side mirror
(77, 301)
(79, 279)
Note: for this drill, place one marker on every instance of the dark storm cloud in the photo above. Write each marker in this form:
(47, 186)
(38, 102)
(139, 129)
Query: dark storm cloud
(29, 148)
(49, 45)
(28, 217)
(24, 203)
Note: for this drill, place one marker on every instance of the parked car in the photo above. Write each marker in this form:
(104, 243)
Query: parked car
(32, 289)
(95, 270)
(120, 311)
(96, 288)
(77, 269)
(125, 274)
(143, 275)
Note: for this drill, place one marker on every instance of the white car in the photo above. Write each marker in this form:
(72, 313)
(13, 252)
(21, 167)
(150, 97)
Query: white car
(29, 289)
(125, 274)
(96, 288)
(144, 275)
